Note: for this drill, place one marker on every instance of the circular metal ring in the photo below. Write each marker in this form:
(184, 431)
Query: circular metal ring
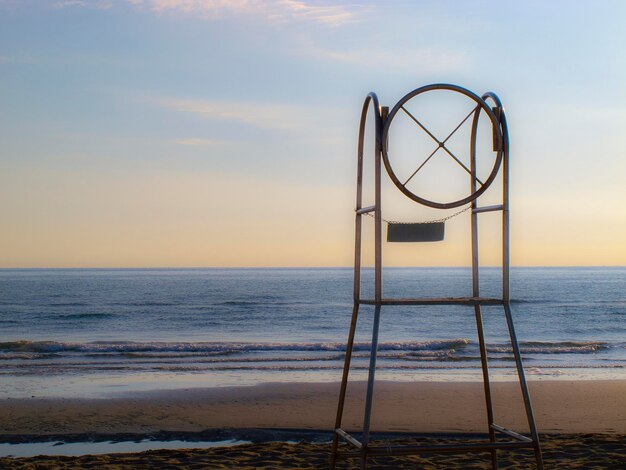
(498, 143)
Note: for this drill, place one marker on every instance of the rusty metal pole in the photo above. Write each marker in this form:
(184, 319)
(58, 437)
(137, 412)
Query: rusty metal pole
(476, 293)
(357, 273)
(378, 281)
(506, 293)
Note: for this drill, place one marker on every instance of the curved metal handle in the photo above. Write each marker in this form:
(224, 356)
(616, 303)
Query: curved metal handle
(371, 98)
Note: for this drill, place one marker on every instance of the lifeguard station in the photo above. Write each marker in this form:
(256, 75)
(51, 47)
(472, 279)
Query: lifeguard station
(490, 110)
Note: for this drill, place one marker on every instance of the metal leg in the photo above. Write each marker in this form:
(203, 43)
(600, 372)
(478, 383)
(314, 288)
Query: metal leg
(524, 387)
(487, 386)
(370, 387)
(344, 383)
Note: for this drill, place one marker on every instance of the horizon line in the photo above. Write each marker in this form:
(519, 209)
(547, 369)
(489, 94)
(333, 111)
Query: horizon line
(303, 267)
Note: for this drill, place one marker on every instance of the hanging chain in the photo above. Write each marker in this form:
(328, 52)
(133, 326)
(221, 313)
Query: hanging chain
(427, 222)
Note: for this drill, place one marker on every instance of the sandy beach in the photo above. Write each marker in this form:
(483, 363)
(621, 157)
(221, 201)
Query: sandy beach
(560, 407)
(583, 422)
(588, 451)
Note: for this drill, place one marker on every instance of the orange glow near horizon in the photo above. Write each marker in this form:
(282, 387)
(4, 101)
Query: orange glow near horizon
(187, 220)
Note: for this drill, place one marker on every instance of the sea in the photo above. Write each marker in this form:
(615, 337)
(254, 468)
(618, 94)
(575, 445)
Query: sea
(110, 332)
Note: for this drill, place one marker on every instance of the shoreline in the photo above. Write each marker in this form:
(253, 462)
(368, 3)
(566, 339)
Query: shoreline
(420, 407)
(581, 424)
(589, 451)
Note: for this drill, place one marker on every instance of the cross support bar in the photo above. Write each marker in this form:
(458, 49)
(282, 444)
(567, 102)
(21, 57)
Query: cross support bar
(478, 210)
(348, 438)
(435, 301)
(366, 210)
(510, 433)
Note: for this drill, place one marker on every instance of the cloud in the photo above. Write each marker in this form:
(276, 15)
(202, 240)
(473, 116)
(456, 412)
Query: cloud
(100, 4)
(428, 60)
(70, 3)
(195, 142)
(262, 115)
(16, 60)
(275, 11)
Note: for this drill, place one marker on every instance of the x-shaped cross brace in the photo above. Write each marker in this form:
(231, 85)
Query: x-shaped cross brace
(440, 144)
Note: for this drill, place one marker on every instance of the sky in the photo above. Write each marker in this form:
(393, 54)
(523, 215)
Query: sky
(197, 133)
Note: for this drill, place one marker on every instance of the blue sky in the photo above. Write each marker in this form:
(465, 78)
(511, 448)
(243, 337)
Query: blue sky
(216, 133)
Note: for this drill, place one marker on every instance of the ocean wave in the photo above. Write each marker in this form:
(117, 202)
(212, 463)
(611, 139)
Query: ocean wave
(454, 351)
(102, 360)
(414, 350)
(145, 303)
(11, 356)
(78, 316)
(542, 347)
(254, 303)
(220, 348)
(68, 304)
(62, 369)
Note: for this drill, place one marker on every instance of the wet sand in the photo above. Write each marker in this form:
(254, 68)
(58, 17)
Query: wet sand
(583, 423)
(560, 407)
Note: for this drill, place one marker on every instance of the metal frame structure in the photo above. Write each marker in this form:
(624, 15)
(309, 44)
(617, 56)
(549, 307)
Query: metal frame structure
(382, 120)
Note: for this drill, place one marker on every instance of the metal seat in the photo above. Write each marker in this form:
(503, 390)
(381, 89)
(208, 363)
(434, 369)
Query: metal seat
(415, 232)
